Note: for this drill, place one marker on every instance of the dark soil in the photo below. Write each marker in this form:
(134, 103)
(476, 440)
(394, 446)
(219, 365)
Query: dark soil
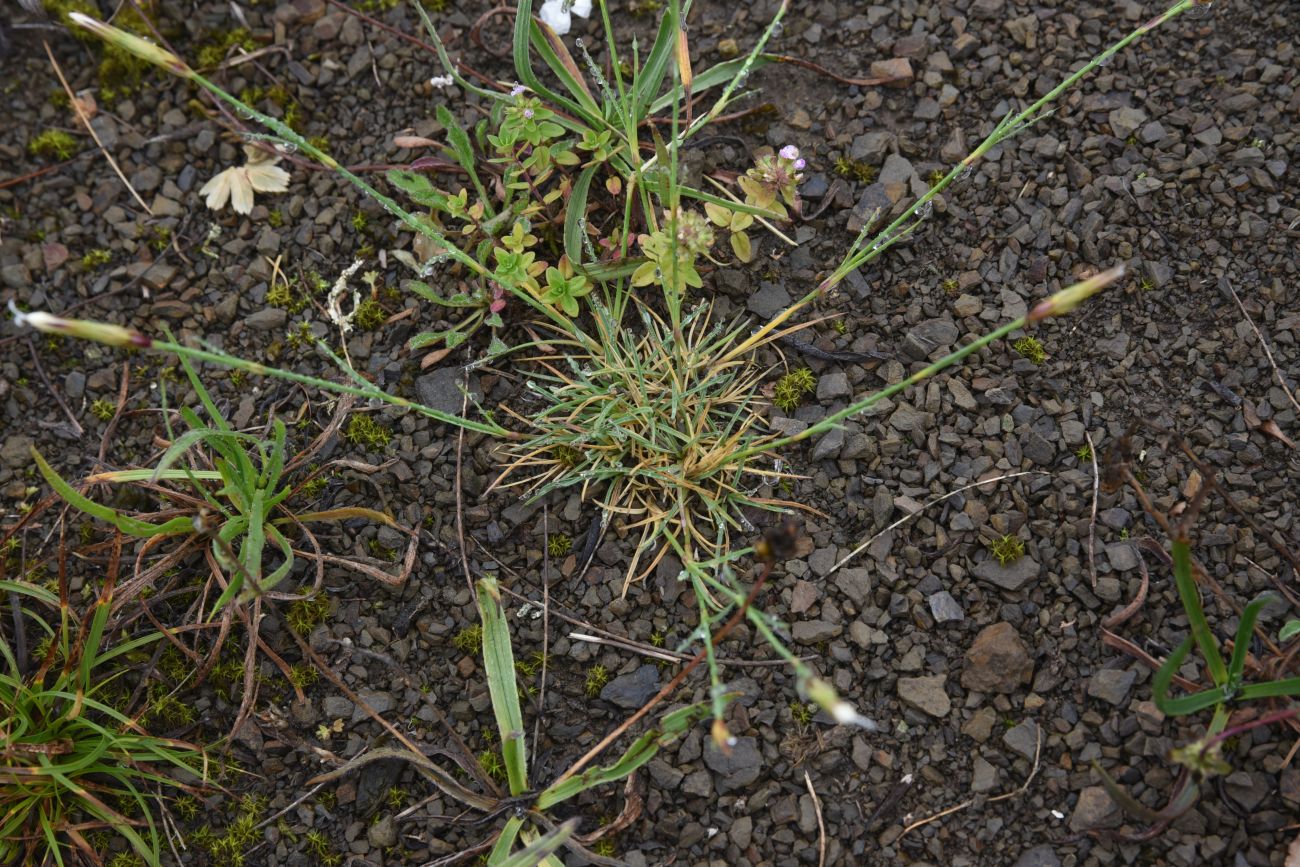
(1176, 158)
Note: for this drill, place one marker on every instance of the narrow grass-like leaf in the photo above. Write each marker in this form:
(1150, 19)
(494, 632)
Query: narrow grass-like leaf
(575, 216)
(417, 188)
(715, 75)
(499, 663)
(540, 850)
(1245, 630)
(1270, 689)
(125, 523)
(1190, 595)
(651, 75)
(640, 752)
(553, 51)
(509, 835)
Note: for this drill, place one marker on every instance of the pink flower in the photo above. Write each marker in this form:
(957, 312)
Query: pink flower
(498, 300)
(800, 163)
(528, 113)
(517, 90)
(790, 152)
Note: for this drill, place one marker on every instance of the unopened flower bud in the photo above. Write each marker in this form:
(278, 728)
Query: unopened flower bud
(1071, 297)
(100, 332)
(824, 696)
(129, 42)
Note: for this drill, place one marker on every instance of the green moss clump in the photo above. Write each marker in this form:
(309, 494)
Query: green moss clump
(214, 53)
(490, 762)
(306, 614)
(302, 675)
(597, 677)
(1031, 348)
(559, 544)
(103, 409)
(363, 430)
(370, 315)
(53, 144)
(857, 170)
(96, 258)
(793, 387)
(469, 639)
(1006, 549)
(566, 456)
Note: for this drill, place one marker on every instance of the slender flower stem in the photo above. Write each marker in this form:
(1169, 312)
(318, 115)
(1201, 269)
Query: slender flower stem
(1009, 126)
(373, 392)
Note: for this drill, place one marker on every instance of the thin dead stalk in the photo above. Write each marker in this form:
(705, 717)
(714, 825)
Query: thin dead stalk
(1277, 374)
(671, 687)
(50, 390)
(821, 823)
(910, 515)
(85, 121)
(1038, 751)
(1092, 521)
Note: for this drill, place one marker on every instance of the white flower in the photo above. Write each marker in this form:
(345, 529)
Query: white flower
(237, 184)
(555, 13)
(438, 82)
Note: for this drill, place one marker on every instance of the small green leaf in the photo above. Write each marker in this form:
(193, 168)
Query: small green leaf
(575, 216)
(1289, 630)
(423, 339)
(741, 247)
(419, 188)
(499, 662)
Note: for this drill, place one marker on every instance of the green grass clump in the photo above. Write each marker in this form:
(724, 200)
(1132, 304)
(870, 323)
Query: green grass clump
(793, 387)
(53, 144)
(72, 762)
(1031, 348)
(1006, 549)
(363, 430)
(1083, 452)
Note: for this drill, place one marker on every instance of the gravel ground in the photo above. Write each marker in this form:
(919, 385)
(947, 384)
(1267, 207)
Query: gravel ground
(988, 679)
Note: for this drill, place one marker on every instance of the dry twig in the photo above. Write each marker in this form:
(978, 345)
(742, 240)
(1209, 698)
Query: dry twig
(81, 116)
(1263, 344)
(1038, 751)
(910, 515)
(1092, 521)
(821, 823)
